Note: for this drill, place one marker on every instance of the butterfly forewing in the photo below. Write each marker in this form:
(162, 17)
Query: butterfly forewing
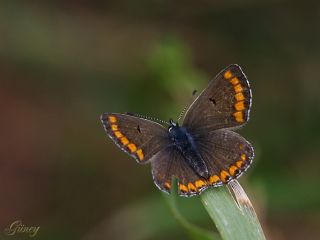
(141, 138)
(225, 103)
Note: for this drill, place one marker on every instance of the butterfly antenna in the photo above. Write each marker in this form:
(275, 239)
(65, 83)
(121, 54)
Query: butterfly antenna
(182, 113)
(148, 118)
(185, 108)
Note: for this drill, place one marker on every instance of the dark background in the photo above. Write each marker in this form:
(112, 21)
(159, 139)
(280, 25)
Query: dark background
(63, 63)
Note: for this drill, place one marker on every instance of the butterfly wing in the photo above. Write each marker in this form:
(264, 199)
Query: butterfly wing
(226, 154)
(169, 163)
(139, 137)
(225, 103)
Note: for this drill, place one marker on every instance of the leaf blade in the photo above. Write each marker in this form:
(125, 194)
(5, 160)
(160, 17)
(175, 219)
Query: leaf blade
(234, 220)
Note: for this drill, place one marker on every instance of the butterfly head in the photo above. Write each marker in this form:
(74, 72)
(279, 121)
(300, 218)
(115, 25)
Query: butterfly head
(175, 131)
(177, 134)
(172, 125)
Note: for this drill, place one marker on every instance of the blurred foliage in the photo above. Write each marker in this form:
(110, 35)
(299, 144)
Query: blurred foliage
(194, 232)
(63, 63)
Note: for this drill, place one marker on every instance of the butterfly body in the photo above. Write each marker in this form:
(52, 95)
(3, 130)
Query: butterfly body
(184, 142)
(205, 150)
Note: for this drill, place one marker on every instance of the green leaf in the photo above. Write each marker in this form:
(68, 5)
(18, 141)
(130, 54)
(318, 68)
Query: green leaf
(234, 217)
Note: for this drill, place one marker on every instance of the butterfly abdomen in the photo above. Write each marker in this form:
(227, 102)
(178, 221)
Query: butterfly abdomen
(185, 144)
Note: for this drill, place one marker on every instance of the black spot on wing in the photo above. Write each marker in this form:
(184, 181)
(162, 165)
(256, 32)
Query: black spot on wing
(213, 101)
(138, 128)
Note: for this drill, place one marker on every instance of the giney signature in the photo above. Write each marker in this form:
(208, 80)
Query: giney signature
(19, 227)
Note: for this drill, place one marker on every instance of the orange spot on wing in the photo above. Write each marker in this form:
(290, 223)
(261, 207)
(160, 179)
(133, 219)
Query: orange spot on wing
(112, 119)
(238, 116)
(224, 175)
(124, 140)
(132, 147)
(239, 106)
(238, 88)
(227, 74)
(114, 127)
(199, 183)
(183, 188)
(232, 170)
(140, 154)
(118, 134)
(239, 96)
(192, 187)
(243, 157)
(213, 179)
(167, 185)
(234, 81)
(239, 163)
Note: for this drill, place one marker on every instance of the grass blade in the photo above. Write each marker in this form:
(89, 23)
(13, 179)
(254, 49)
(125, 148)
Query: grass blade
(235, 218)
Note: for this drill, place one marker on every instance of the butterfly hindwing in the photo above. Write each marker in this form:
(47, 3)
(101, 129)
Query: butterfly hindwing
(226, 153)
(139, 137)
(170, 163)
(225, 103)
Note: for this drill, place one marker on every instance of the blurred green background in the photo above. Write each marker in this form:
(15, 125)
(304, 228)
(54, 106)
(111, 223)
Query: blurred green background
(63, 63)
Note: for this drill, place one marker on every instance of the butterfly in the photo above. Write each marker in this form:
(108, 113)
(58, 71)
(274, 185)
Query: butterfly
(204, 151)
